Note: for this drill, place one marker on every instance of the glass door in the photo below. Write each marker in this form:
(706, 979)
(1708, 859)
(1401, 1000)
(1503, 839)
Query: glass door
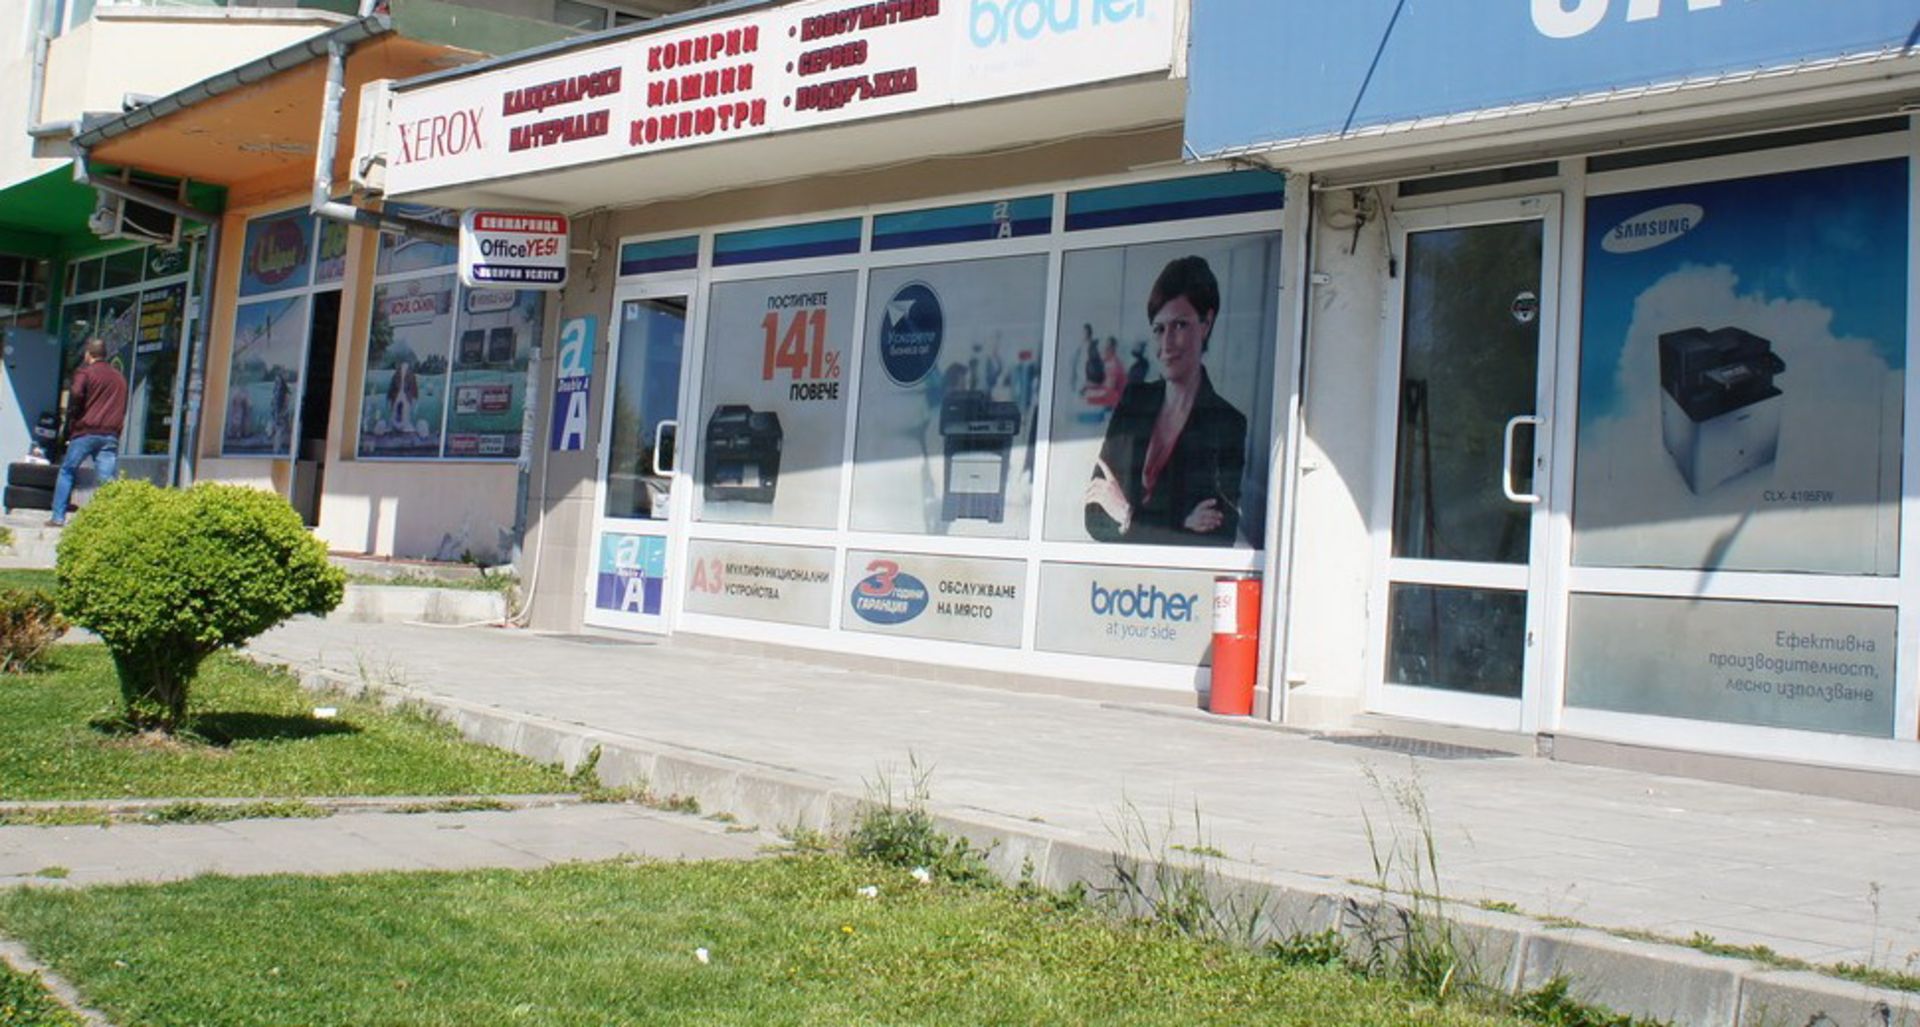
(641, 495)
(1468, 475)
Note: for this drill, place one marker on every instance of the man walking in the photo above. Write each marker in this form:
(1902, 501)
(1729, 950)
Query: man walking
(96, 407)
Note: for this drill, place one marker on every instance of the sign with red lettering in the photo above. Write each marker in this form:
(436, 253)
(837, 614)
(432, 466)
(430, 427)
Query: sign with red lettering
(518, 249)
(774, 69)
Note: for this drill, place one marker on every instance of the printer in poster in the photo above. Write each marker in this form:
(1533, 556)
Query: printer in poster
(1742, 358)
(949, 386)
(773, 414)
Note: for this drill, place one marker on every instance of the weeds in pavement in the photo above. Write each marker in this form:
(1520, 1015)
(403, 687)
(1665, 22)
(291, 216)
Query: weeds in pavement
(895, 828)
(1553, 1005)
(1407, 933)
(1177, 885)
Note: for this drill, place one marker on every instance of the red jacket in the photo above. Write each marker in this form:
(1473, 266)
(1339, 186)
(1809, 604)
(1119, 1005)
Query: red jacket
(96, 401)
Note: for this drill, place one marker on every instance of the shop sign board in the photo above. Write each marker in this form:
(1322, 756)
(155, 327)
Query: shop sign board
(1363, 64)
(1127, 613)
(516, 249)
(783, 584)
(795, 66)
(952, 599)
(1788, 665)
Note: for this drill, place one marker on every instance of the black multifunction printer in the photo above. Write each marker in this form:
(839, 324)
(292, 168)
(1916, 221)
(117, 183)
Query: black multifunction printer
(1720, 409)
(743, 454)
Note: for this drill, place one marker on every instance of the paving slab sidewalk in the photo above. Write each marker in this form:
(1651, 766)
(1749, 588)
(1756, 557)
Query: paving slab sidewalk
(363, 841)
(1063, 784)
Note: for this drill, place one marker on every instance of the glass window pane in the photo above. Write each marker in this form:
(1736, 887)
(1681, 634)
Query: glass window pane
(263, 378)
(1469, 362)
(646, 391)
(124, 268)
(494, 337)
(1743, 360)
(86, 277)
(949, 385)
(579, 16)
(1457, 639)
(1163, 387)
(156, 358)
(404, 389)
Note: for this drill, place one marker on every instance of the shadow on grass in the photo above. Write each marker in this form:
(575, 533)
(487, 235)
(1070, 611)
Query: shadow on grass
(225, 729)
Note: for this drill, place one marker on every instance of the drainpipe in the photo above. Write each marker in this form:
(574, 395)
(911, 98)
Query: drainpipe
(323, 203)
(37, 92)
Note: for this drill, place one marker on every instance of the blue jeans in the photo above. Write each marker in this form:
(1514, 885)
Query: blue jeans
(103, 450)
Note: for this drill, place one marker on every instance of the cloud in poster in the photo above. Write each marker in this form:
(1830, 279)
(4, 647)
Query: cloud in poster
(1839, 434)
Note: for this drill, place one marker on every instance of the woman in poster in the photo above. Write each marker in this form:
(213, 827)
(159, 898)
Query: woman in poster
(1169, 469)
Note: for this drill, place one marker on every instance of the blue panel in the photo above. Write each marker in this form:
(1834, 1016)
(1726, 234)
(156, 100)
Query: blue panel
(790, 242)
(1271, 70)
(640, 258)
(1235, 192)
(972, 222)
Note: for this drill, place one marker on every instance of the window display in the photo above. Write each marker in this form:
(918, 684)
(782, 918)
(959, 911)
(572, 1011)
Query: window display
(1162, 380)
(771, 443)
(949, 392)
(263, 378)
(1743, 358)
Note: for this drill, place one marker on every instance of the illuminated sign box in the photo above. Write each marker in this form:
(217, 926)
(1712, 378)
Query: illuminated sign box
(520, 249)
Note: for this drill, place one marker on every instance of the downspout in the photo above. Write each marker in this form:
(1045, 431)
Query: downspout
(37, 93)
(323, 204)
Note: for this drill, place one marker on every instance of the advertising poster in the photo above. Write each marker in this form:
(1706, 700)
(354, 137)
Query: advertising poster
(404, 391)
(772, 428)
(494, 338)
(1789, 665)
(632, 574)
(1127, 613)
(156, 356)
(330, 262)
(117, 325)
(573, 384)
(948, 598)
(1743, 351)
(783, 584)
(263, 381)
(277, 254)
(949, 387)
(1162, 392)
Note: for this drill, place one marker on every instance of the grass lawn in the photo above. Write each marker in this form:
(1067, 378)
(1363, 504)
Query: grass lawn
(37, 579)
(23, 1002)
(413, 579)
(257, 737)
(790, 940)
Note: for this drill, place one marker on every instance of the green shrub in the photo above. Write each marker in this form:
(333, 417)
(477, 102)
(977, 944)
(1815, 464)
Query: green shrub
(168, 577)
(29, 625)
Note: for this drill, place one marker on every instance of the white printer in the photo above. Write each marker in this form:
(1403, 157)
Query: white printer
(1719, 409)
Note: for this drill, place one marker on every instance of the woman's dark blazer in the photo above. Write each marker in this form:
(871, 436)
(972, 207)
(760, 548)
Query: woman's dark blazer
(1207, 462)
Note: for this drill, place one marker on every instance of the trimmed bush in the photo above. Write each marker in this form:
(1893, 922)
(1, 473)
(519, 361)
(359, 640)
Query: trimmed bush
(29, 625)
(168, 577)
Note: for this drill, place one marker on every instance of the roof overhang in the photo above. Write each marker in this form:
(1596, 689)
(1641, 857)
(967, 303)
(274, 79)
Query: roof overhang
(254, 128)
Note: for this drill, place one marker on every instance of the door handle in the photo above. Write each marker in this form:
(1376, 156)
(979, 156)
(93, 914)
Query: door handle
(659, 433)
(1506, 458)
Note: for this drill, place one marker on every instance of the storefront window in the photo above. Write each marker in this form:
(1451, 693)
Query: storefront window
(1743, 359)
(1162, 381)
(949, 388)
(446, 371)
(773, 425)
(271, 336)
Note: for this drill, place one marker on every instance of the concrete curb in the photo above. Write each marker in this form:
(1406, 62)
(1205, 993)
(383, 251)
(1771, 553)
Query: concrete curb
(1656, 981)
(15, 955)
(401, 604)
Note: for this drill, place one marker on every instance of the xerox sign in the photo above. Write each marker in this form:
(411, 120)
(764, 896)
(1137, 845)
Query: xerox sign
(1129, 613)
(774, 69)
(1365, 64)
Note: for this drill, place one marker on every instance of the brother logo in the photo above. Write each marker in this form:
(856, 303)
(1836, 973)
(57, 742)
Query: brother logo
(995, 22)
(1143, 602)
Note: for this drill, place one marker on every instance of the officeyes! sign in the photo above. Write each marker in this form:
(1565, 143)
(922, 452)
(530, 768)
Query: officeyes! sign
(519, 249)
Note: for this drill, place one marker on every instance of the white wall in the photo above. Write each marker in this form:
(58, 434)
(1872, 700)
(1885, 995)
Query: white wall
(1340, 449)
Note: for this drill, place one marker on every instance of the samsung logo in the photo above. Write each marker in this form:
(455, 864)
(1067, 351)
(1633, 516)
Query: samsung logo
(1654, 228)
(1559, 19)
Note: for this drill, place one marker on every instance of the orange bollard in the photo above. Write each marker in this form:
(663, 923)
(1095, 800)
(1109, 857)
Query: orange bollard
(1236, 645)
